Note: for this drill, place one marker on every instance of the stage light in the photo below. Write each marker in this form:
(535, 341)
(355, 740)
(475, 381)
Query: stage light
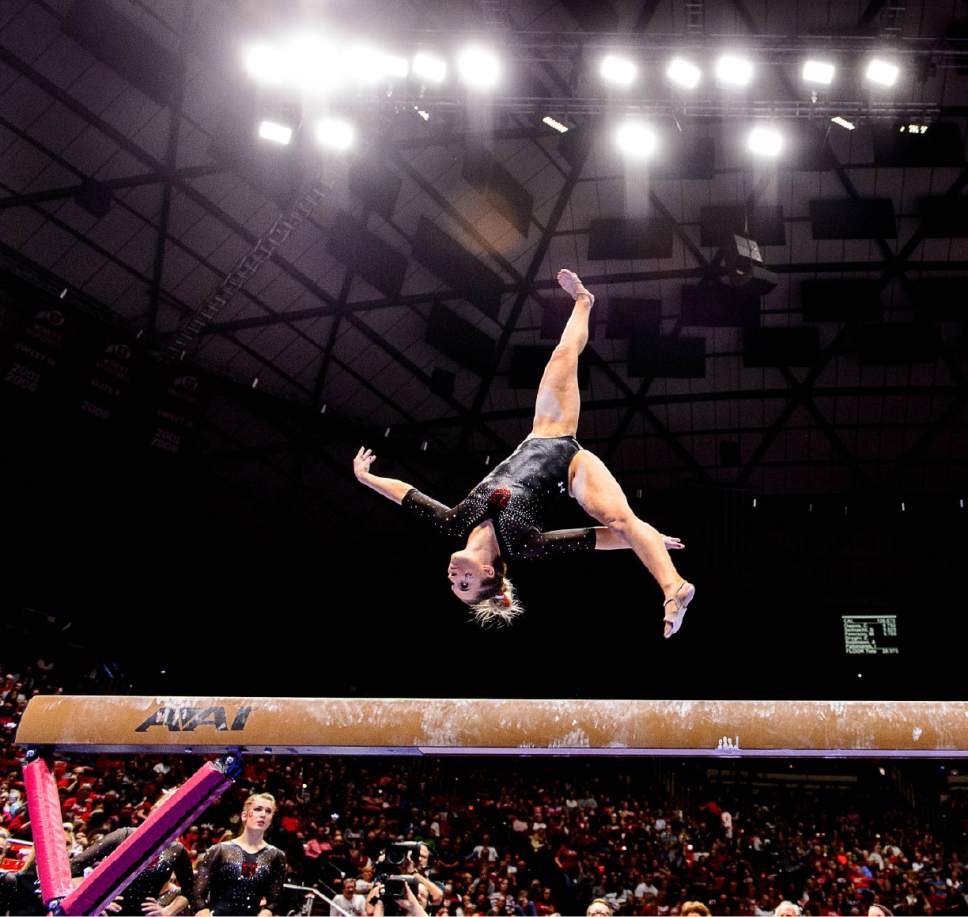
(913, 128)
(815, 71)
(843, 122)
(423, 114)
(429, 68)
(636, 139)
(683, 73)
(733, 70)
(479, 67)
(276, 132)
(619, 71)
(882, 72)
(764, 141)
(309, 64)
(265, 64)
(553, 123)
(335, 133)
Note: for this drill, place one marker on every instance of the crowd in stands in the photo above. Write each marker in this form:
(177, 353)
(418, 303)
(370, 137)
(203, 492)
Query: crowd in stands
(534, 837)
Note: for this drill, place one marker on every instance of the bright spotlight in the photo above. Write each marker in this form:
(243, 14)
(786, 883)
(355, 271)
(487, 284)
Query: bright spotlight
(683, 73)
(265, 64)
(636, 139)
(843, 122)
(429, 68)
(276, 132)
(479, 67)
(555, 124)
(309, 64)
(882, 72)
(734, 71)
(816, 71)
(335, 133)
(764, 141)
(619, 71)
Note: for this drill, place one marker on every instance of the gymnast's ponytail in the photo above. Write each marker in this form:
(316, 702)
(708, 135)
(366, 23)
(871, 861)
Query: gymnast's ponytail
(498, 605)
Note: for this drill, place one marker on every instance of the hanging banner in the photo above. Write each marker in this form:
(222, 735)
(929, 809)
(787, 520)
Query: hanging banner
(108, 383)
(179, 410)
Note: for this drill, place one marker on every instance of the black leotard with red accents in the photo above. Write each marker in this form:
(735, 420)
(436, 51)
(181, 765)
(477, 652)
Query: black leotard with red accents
(516, 496)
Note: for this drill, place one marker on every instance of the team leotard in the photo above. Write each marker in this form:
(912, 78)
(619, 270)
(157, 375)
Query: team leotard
(516, 496)
(231, 881)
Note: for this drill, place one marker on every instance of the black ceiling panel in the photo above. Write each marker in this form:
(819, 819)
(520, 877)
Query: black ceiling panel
(502, 190)
(629, 239)
(628, 316)
(718, 223)
(867, 218)
(668, 357)
(457, 267)
(846, 300)
(944, 217)
(686, 157)
(375, 185)
(716, 305)
(779, 347)
(366, 254)
(463, 342)
(593, 15)
(940, 298)
(116, 41)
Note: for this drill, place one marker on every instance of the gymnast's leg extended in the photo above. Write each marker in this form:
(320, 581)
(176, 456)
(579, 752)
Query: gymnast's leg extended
(602, 497)
(558, 404)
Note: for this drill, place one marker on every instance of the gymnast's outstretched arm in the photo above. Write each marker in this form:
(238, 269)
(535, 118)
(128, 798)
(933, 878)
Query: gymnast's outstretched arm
(390, 488)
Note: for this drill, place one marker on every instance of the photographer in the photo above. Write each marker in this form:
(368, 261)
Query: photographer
(409, 904)
(400, 873)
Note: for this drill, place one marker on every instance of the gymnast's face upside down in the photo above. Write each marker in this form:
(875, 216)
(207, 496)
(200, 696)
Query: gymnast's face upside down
(468, 576)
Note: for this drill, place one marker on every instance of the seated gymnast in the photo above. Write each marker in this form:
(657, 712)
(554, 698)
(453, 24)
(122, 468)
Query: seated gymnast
(500, 520)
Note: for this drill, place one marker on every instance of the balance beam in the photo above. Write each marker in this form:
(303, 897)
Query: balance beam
(358, 726)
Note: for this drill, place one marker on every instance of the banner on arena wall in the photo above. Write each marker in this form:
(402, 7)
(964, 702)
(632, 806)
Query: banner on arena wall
(16, 856)
(179, 408)
(32, 350)
(108, 382)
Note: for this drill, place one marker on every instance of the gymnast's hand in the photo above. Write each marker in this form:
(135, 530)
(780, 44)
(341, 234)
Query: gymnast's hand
(361, 463)
(672, 543)
(152, 907)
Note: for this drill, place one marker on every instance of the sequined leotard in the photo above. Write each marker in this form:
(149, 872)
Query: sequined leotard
(516, 496)
(231, 881)
(151, 879)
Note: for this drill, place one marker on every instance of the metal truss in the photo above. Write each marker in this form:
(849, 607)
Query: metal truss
(267, 245)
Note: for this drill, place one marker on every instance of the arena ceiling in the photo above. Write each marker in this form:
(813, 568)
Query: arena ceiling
(132, 178)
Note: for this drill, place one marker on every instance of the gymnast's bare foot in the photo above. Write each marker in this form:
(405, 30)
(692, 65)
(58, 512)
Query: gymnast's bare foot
(571, 283)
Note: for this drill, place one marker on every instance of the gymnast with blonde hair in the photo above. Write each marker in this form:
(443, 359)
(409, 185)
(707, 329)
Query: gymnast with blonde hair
(244, 875)
(500, 520)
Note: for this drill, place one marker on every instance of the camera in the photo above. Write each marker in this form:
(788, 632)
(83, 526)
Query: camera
(396, 856)
(394, 870)
(394, 887)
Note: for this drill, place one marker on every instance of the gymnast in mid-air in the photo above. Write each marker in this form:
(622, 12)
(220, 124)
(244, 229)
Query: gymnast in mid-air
(500, 520)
